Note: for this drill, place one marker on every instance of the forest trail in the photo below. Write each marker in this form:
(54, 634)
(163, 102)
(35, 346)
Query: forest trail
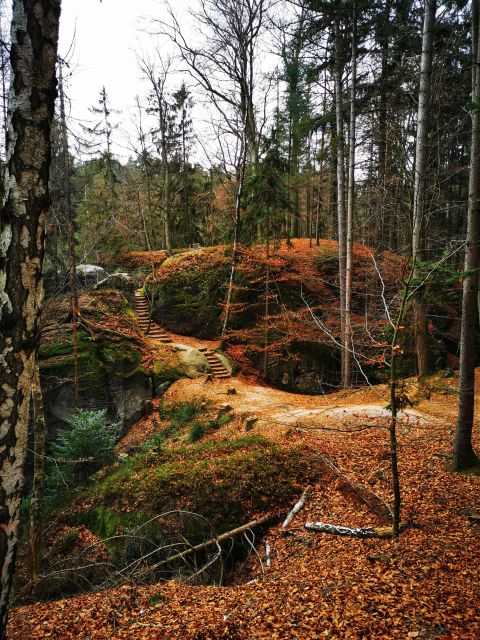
(156, 333)
(278, 412)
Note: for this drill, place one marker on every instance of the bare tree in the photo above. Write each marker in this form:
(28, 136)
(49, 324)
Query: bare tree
(347, 358)
(31, 106)
(340, 146)
(158, 76)
(71, 229)
(224, 66)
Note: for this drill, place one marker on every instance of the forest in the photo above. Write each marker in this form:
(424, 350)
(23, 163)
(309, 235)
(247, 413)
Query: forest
(240, 320)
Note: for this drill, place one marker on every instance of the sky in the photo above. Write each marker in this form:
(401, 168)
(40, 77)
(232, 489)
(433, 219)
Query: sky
(106, 36)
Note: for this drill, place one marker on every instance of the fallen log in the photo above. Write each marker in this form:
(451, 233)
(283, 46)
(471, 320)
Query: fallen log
(214, 541)
(352, 532)
(297, 507)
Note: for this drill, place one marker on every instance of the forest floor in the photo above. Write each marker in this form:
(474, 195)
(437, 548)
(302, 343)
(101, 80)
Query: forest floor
(424, 585)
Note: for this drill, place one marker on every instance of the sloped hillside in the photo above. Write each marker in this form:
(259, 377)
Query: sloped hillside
(302, 584)
(286, 318)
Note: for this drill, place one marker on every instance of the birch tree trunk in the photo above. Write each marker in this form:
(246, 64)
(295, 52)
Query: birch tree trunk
(347, 346)
(421, 156)
(463, 453)
(22, 229)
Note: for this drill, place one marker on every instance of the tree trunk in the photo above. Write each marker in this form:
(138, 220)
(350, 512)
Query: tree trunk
(341, 219)
(383, 41)
(22, 231)
(347, 345)
(421, 156)
(267, 295)
(463, 453)
(71, 234)
(38, 476)
(236, 239)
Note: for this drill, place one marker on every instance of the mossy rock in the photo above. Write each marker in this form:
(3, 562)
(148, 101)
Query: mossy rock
(188, 292)
(111, 374)
(226, 481)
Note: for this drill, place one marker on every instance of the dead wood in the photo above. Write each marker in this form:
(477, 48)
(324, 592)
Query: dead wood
(297, 507)
(353, 532)
(213, 541)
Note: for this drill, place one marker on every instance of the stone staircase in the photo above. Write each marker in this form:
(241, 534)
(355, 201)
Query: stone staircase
(218, 369)
(157, 333)
(142, 310)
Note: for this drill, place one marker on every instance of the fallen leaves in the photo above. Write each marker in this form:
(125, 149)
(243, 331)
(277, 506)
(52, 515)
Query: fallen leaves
(423, 585)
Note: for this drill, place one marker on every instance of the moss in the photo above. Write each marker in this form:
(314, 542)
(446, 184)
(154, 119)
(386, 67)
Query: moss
(120, 357)
(167, 366)
(107, 522)
(223, 481)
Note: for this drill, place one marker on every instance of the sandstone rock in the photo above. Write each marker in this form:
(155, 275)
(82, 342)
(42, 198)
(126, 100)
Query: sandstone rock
(120, 281)
(193, 361)
(89, 275)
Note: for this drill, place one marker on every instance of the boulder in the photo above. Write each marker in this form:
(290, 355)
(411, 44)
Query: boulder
(193, 360)
(121, 282)
(89, 275)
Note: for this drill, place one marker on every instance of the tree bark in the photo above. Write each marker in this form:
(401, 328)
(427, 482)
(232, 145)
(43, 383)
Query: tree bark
(463, 454)
(341, 219)
(347, 344)
(22, 229)
(421, 157)
(35, 531)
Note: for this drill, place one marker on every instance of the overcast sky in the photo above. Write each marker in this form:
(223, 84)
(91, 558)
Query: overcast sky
(108, 34)
(101, 40)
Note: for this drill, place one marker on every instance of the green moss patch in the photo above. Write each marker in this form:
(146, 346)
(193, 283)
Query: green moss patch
(226, 481)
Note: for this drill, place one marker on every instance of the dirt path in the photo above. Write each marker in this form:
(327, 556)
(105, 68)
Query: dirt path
(279, 410)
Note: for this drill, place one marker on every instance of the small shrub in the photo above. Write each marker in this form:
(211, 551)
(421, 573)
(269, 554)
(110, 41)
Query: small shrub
(181, 413)
(81, 449)
(221, 421)
(197, 431)
(184, 412)
(156, 598)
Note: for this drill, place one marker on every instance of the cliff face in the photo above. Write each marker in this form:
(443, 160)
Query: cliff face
(112, 375)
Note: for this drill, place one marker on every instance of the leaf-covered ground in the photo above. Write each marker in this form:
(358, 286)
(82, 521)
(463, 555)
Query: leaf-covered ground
(424, 585)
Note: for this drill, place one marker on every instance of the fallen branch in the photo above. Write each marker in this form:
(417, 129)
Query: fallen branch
(352, 532)
(267, 553)
(213, 541)
(299, 505)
